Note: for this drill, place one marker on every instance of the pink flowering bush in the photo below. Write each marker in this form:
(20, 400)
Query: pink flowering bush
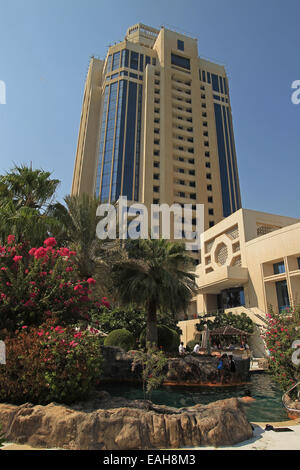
(283, 329)
(38, 283)
(50, 363)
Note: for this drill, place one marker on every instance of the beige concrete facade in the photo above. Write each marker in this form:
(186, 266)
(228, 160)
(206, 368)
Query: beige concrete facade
(84, 177)
(183, 145)
(251, 252)
(241, 251)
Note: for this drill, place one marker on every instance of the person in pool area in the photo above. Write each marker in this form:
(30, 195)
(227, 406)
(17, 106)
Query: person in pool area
(247, 398)
(196, 348)
(223, 366)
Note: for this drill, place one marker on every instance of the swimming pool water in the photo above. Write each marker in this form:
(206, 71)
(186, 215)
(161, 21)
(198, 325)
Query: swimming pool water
(267, 407)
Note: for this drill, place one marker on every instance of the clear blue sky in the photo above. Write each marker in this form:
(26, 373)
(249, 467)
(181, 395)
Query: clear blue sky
(45, 47)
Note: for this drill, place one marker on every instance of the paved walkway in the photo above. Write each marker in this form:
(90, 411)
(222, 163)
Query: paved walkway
(269, 440)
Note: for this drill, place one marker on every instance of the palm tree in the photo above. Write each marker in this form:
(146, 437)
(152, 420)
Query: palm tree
(26, 202)
(94, 256)
(28, 188)
(155, 275)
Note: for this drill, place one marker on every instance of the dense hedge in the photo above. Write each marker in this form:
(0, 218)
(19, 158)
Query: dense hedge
(121, 338)
(167, 339)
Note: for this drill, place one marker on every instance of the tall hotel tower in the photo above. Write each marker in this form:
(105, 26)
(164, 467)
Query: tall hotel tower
(156, 126)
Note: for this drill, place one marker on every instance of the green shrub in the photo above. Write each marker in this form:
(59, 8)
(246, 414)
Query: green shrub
(121, 338)
(191, 344)
(153, 363)
(165, 338)
(50, 364)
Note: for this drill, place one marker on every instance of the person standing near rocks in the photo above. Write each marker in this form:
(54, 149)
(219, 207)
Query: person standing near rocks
(223, 367)
(181, 349)
(196, 348)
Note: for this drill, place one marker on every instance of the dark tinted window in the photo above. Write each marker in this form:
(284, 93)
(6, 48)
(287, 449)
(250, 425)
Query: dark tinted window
(134, 60)
(215, 82)
(180, 61)
(180, 45)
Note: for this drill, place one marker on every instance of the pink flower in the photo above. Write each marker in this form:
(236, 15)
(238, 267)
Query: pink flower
(32, 251)
(40, 333)
(91, 281)
(23, 327)
(50, 242)
(69, 269)
(64, 252)
(3, 269)
(2, 249)
(72, 253)
(17, 258)
(79, 287)
(10, 239)
(40, 253)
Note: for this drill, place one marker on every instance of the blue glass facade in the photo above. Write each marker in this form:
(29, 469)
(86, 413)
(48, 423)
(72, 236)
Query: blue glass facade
(120, 134)
(227, 160)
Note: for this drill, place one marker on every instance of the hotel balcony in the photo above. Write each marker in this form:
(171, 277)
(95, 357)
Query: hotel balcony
(224, 277)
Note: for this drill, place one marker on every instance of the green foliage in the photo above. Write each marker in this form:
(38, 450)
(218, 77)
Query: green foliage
(130, 318)
(242, 322)
(166, 338)
(121, 338)
(153, 363)
(50, 364)
(282, 330)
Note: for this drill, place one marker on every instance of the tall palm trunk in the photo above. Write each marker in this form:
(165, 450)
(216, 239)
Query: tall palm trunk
(151, 332)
